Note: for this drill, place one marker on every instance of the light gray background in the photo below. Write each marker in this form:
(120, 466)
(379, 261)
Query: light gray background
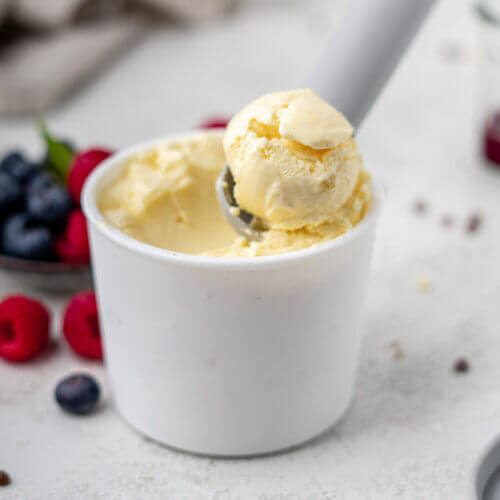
(415, 428)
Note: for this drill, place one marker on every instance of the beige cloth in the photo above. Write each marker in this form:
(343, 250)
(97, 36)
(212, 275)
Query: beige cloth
(68, 40)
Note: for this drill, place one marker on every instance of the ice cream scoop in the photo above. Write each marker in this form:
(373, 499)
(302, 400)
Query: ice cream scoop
(293, 159)
(365, 49)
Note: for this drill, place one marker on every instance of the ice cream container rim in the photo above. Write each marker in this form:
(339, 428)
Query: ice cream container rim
(94, 216)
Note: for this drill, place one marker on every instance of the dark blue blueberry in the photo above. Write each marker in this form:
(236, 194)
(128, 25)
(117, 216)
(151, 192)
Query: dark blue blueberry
(11, 158)
(18, 166)
(25, 239)
(46, 202)
(39, 182)
(77, 394)
(11, 195)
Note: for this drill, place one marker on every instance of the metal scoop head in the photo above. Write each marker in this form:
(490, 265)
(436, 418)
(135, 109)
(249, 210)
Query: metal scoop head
(243, 222)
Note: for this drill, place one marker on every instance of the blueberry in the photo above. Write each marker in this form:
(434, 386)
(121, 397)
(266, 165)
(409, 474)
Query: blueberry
(77, 394)
(39, 182)
(11, 194)
(16, 164)
(23, 238)
(10, 159)
(47, 203)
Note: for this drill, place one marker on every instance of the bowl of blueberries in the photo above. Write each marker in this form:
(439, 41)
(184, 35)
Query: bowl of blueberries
(43, 232)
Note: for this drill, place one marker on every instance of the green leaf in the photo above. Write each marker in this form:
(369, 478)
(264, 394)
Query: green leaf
(60, 154)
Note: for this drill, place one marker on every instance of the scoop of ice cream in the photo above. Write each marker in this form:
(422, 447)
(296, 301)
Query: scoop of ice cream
(293, 158)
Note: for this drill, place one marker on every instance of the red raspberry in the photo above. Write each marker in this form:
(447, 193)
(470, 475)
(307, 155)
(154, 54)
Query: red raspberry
(215, 122)
(81, 326)
(24, 328)
(82, 165)
(73, 245)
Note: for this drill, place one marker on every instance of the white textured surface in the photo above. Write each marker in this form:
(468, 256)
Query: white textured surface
(415, 428)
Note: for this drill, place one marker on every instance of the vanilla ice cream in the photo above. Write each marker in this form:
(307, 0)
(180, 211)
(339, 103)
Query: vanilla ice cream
(295, 165)
(293, 158)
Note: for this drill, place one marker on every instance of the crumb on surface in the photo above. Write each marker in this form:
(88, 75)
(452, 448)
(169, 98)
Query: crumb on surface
(423, 284)
(421, 206)
(455, 52)
(473, 223)
(397, 350)
(461, 365)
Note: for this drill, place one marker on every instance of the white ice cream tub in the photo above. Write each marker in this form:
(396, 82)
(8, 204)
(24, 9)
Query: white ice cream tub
(228, 357)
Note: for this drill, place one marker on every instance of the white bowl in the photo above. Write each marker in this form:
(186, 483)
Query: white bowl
(485, 479)
(228, 356)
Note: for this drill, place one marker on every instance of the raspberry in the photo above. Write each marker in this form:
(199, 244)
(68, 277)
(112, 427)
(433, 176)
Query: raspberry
(82, 165)
(81, 326)
(215, 122)
(73, 245)
(24, 328)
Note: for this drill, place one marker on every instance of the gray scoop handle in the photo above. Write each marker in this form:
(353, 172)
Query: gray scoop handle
(364, 50)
